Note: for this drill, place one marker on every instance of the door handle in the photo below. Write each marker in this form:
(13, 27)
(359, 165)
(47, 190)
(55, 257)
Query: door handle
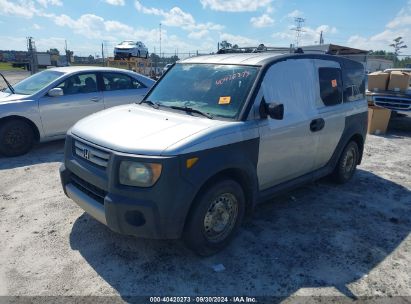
(95, 99)
(317, 125)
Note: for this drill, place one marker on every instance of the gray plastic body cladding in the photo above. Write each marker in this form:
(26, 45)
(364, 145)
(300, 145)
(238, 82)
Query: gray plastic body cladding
(354, 125)
(241, 157)
(161, 205)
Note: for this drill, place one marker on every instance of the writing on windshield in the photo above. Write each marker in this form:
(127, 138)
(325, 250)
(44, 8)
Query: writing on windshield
(215, 89)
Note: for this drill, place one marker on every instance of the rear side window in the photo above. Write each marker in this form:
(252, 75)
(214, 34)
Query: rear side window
(354, 84)
(330, 86)
(117, 81)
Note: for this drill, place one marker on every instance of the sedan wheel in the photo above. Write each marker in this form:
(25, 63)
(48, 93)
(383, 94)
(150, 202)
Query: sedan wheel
(16, 138)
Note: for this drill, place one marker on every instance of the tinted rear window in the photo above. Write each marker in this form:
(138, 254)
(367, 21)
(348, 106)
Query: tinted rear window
(330, 85)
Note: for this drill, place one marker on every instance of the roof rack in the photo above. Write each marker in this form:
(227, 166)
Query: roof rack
(256, 49)
(330, 49)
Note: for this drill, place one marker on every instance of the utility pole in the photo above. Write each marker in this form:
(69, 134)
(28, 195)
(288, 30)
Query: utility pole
(102, 53)
(68, 53)
(31, 47)
(321, 38)
(160, 40)
(298, 30)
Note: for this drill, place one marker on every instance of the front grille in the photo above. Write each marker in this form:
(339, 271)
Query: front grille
(94, 192)
(395, 103)
(92, 154)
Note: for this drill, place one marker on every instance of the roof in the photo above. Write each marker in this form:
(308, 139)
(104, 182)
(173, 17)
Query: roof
(232, 58)
(71, 69)
(333, 49)
(408, 70)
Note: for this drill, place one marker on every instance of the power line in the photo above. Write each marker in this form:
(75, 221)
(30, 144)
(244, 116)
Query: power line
(299, 21)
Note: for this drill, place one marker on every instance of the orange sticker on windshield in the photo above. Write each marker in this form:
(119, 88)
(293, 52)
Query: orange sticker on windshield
(224, 100)
(334, 83)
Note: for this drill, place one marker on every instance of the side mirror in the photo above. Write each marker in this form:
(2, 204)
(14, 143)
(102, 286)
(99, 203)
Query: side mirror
(274, 110)
(55, 92)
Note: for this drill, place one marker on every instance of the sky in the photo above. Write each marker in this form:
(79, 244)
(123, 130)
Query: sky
(198, 25)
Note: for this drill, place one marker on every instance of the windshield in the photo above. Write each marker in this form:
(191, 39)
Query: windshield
(35, 83)
(218, 90)
(127, 43)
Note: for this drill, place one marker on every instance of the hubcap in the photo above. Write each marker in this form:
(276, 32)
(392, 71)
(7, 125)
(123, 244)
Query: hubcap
(221, 217)
(349, 161)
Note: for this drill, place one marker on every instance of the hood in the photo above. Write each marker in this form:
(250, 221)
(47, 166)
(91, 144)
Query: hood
(124, 47)
(11, 97)
(139, 129)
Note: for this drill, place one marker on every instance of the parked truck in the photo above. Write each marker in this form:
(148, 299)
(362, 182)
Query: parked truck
(395, 100)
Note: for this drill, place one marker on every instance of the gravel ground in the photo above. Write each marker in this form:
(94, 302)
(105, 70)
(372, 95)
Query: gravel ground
(13, 77)
(319, 240)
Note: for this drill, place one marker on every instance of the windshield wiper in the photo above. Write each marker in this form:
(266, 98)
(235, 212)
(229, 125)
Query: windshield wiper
(153, 104)
(191, 110)
(8, 84)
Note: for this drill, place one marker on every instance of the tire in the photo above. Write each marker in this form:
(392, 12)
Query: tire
(347, 163)
(217, 214)
(16, 138)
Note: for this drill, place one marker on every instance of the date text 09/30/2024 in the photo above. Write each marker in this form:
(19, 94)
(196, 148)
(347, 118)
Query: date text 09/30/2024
(239, 299)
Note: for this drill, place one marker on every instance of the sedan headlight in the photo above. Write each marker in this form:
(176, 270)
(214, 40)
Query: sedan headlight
(139, 174)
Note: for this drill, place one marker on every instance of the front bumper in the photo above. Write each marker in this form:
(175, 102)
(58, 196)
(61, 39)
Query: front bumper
(125, 53)
(158, 212)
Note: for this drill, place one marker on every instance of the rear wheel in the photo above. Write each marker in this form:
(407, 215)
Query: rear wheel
(16, 138)
(347, 163)
(216, 216)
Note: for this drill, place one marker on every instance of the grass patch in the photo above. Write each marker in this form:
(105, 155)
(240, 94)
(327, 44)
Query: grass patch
(7, 66)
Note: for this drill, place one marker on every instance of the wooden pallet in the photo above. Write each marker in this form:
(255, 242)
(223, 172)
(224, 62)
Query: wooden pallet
(139, 65)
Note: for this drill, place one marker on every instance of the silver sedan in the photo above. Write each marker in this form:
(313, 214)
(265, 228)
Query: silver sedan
(44, 106)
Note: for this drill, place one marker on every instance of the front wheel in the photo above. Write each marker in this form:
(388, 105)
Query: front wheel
(216, 216)
(16, 138)
(347, 163)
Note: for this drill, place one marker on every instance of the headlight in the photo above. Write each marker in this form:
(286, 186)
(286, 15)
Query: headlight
(139, 174)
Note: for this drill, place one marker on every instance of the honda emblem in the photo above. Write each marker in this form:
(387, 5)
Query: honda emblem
(86, 154)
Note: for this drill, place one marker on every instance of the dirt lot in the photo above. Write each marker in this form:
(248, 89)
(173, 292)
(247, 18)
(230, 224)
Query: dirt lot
(322, 239)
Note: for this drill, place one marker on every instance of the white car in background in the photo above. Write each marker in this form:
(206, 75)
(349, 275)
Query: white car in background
(129, 48)
(45, 105)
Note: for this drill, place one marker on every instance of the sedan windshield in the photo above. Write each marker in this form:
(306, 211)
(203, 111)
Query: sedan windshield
(127, 43)
(217, 90)
(35, 83)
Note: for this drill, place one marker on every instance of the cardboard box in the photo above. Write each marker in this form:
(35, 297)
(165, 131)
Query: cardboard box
(378, 81)
(378, 119)
(399, 81)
